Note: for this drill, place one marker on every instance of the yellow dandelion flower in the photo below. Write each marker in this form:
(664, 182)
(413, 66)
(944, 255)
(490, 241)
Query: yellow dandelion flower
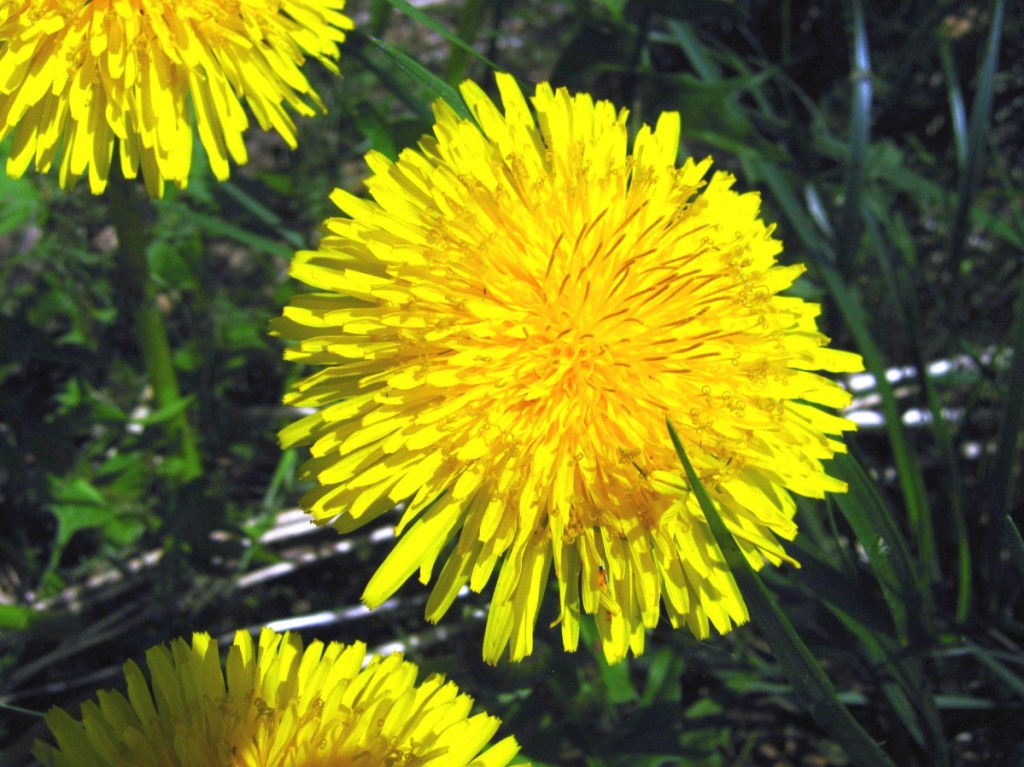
(276, 706)
(506, 326)
(87, 74)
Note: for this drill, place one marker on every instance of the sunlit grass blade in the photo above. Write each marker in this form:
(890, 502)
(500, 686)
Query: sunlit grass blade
(433, 86)
(433, 25)
(805, 674)
(977, 140)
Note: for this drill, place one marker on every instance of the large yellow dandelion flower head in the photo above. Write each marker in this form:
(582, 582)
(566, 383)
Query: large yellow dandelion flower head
(506, 326)
(87, 75)
(275, 705)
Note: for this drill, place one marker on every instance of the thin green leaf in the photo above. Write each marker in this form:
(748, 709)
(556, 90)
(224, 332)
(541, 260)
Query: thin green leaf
(166, 413)
(1013, 681)
(860, 129)
(435, 87)
(372, 125)
(867, 513)
(905, 302)
(1016, 546)
(20, 710)
(665, 667)
(908, 469)
(999, 473)
(261, 213)
(470, 19)
(380, 16)
(217, 227)
(809, 681)
(977, 139)
(688, 41)
(839, 591)
(418, 15)
(957, 110)
(999, 470)
(903, 683)
(616, 681)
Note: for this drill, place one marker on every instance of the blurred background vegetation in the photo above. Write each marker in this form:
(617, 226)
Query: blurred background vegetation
(886, 140)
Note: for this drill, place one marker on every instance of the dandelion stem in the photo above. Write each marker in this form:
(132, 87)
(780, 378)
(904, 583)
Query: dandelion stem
(137, 288)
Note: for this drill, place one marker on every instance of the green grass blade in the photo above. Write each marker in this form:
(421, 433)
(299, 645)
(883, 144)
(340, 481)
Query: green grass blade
(217, 227)
(803, 671)
(435, 87)
(417, 15)
(860, 130)
(867, 513)
(262, 213)
(470, 19)
(688, 41)
(998, 475)
(840, 592)
(849, 306)
(957, 110)
(381, 12)
(905, 302)
(1016, 546)
(977, 139)
(1013, 681)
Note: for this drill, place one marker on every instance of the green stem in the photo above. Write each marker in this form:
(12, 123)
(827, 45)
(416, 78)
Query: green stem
(137, 288)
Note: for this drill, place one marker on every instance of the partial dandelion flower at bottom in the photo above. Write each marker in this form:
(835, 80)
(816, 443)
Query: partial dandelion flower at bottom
(504, 329)
(274, 705)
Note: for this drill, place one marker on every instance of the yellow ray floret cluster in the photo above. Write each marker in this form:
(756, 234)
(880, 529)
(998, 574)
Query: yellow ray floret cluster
(89, 74)
(506, 326)
(274, 706)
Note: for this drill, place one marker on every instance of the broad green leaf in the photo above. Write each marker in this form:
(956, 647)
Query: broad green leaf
(19, 203)
(17, 617)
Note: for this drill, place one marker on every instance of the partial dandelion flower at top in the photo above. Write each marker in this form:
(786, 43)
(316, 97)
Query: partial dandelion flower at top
(83, 80)
(275, 704)
(504, 329)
